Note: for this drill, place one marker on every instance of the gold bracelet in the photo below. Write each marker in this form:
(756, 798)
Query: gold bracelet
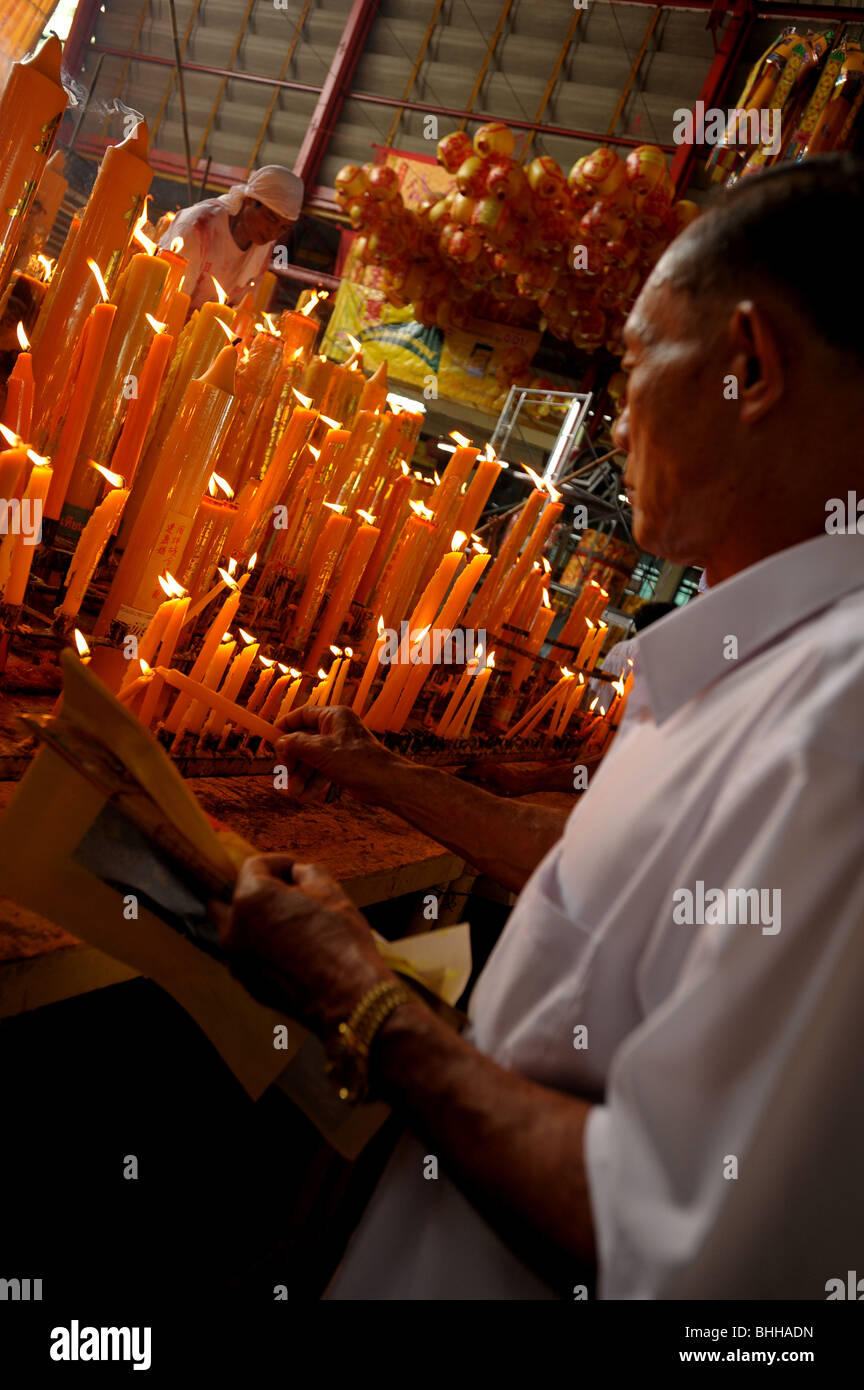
(348, 1053)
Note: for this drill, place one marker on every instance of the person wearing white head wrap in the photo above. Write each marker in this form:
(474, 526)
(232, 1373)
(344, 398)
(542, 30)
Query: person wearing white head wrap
(230, 238)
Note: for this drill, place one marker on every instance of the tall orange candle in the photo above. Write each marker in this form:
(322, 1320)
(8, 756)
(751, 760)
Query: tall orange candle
(471, 668)
(325, 554)
(94, 538)
(18, 411)
(222, 707)
(258, 512)
(112, 210)
(480, 488)
(392, 516)
(17, 552)
(188, 714)
(31, 107)
(97, 330)
(513, 542)
(159, 536)
(127, 454)
(235, 678)
(373, 668)
(356, 556)
(263, 683)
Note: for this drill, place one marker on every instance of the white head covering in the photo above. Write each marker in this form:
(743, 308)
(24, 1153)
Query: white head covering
(275, 187)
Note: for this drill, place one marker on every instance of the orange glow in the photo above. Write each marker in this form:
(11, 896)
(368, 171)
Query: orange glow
(220, 293)
(80, 643)
(305, 401)
(460, 438)
(216, 481)
(367, 516)
(155, 324)
(177, 245)
(22, 337)
(12, 439)
(226, 578)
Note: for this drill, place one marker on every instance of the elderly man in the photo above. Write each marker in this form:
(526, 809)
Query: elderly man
(231, 238)
(660, 1078)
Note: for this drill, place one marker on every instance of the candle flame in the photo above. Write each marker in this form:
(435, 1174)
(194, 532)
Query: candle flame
(140, 235)
(305, 401)
(489, 453)
(295, 674)
(490, 664)
(220, 293)
(226, 637)
(39, 459)
(479, 547)
(226, 578)
(267, 660)
(47, 267)
(459, 539)
(12, 439)
(619, 686)
(405, 469)
(602, 712)
(115, 479)
(380, 624)
(435, 476)
(97, 275)
(546, 565)
(80, 643)
(546, 600)
(460, 439)
(284, 669)
(229, 332)
(244, 356)
(296, 354)
(593, 703)
(170, 586)
(334, 506)
(145, 666)
(349, 652)
(271, 325)
(367, 516)
(554, 494)
(568, 675)
(535, 477)
(334, 424)
(355, 342)
(252, 560)
(232, 565)
(316, 453)
(247, 636)
(155, 324)
(216, 481)
(322, 674)
(337, 651)
(177, 245)
(307, 308)
(22, 337)
(604, 593)
(420, 509)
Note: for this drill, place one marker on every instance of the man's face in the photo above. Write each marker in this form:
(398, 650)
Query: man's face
(262, 224)
(676, 428)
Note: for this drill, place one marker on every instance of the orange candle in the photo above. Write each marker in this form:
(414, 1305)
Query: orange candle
(508, 593)
(479, 491)
(165, 518)
(356, 557)
(16, 552)
(12, 465)
(18, 411)
(373, 666)
(399, 578)
(374, 393)
(96, 330)
(325, 554)
(217, 702)
(112, 210)
(31, 107)
(94, 538)
(299, 331)
(263, 683)
(290, 696)
(537, 636)
(462, 725)
(257, 513)
(444, 623)
(506, 557)
(276, 694)
(587, 644)
(232, 685)
(127, 454)
(392, 516)
(471, 668)
(187, 713)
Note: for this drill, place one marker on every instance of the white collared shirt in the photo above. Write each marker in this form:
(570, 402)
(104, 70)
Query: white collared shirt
(726, 1153)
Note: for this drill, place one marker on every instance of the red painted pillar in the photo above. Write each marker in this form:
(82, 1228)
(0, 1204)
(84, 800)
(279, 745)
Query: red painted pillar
(337, 84)
(725, 60)
(81, 31)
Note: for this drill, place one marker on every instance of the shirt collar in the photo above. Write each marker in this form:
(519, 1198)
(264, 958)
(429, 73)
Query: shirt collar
(683, 654)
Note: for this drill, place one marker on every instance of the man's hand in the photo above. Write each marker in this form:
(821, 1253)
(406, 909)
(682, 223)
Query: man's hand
(317, 947)
(332, 745)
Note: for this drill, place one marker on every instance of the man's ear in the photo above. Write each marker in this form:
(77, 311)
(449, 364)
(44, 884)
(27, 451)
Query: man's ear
(756, 361)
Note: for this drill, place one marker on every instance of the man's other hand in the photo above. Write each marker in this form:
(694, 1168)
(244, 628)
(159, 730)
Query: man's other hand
(332, 745)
